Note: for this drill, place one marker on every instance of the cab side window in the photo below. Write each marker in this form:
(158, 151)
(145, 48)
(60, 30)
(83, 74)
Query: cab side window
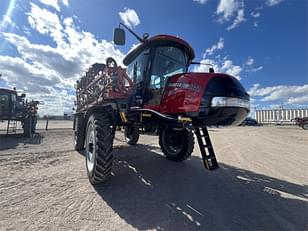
(4, 102)
(137, 69)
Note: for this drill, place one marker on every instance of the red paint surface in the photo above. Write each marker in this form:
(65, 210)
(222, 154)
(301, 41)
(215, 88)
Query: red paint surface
(178, 100)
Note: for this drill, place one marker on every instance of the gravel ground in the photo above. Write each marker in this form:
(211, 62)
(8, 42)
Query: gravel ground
(261, 184)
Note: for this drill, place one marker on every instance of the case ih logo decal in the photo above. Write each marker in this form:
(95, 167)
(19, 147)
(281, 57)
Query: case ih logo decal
(193, 87)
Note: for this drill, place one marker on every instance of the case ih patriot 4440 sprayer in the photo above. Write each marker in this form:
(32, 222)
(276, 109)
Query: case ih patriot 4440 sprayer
(156, 90)
(14, 107)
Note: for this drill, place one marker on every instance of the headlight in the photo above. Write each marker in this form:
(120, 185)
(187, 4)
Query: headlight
(230, 102)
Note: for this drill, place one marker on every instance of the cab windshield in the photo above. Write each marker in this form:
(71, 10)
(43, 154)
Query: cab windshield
(168, 61)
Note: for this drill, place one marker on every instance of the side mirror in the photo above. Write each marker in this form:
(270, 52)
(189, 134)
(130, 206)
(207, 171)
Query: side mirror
(23, 95)
(119, 36)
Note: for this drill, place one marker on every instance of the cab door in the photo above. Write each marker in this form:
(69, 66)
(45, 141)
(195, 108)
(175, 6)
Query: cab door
(167, 61)
(138, 71)
(5, 104)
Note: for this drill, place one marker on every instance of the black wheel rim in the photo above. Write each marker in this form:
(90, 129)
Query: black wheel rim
(173, 140)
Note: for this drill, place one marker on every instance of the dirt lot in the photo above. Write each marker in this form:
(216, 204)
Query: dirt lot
(261, 184)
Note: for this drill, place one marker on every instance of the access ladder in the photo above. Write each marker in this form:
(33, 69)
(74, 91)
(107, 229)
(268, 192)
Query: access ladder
(11, 127)
(206, 148)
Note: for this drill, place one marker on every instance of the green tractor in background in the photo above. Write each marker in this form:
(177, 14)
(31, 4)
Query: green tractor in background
(14, 107)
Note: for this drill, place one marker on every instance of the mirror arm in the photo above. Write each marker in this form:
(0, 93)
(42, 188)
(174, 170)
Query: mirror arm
(132, 32)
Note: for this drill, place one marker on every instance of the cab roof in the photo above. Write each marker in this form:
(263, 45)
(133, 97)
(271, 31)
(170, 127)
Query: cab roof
(160, 40)
(6, 90)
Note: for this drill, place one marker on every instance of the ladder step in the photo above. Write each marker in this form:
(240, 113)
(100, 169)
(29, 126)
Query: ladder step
(210, 157)
(206, 146)
(210, 164)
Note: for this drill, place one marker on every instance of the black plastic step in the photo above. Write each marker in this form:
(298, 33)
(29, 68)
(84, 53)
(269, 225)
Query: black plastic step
(206, 146)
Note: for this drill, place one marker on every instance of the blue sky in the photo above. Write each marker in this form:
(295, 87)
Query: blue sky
(45, 44)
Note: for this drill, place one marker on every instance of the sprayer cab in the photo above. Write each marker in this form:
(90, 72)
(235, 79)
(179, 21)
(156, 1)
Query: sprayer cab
(159, 67)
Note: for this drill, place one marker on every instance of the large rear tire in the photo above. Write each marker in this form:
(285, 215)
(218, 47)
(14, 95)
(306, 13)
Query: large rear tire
(99, 141)
(305, 126)
(79, 133)
(131, 134)
(177, 145)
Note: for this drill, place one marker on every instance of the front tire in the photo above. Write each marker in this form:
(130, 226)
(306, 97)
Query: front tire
(27, 126)
(177, 145)
(34, 122)
(131, 134)
(79, 133)
(99, 141)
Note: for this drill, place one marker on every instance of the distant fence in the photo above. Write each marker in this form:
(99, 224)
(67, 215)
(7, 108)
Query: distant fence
(41, 125)
(284, 116)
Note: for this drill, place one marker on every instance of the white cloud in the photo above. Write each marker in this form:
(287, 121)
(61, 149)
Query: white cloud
(49, 72)
(249, 61)
(231, 69)
(286, 94)
(201, 1)
(220, 66)
(218, 46)
(255, 69)
(129, 17)
(227, 9)
(26, 31)
(54, 3)
(238, 20)
(226, 65)
(255, 14)
(45, 22)
(273, 2)
(24, 76)
(231, 9)
(6, 22)
(58, 104)
(65, 2)
(249, 67)
(298, 100)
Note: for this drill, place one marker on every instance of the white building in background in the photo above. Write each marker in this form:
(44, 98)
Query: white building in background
(279, 115)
